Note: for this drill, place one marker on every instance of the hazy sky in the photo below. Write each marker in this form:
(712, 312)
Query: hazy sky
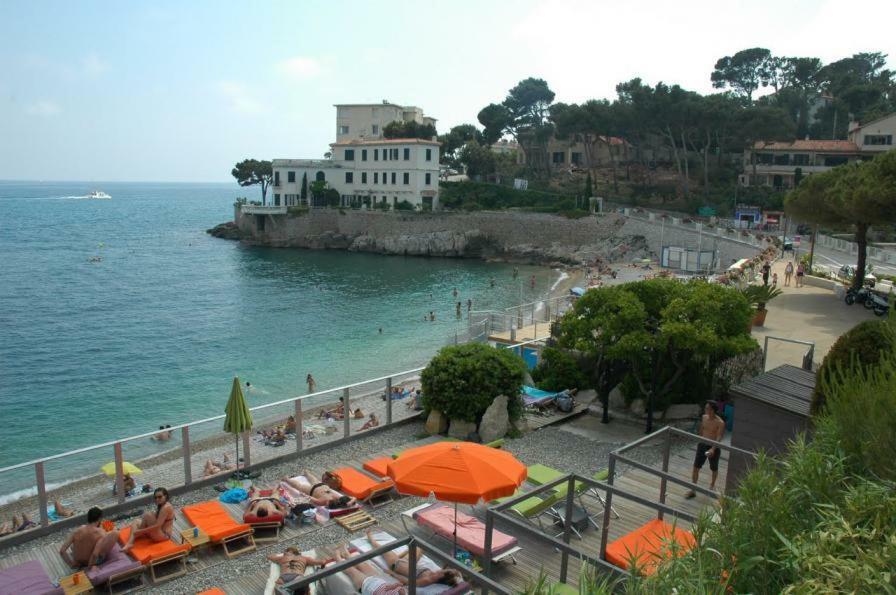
(179, 91)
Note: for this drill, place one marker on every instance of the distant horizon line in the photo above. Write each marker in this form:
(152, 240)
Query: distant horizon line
(2, 180)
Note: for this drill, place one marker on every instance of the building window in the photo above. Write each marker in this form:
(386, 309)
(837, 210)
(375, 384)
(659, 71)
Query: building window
(349, 154)
(407, 154)
(385, 155)
(558, 157)
(349, 177)
(406, 178)
(429, 154)
(291, 177)
(375, 129)
(363, 177)
(363, 154)
(835, 160)
(782, 159)
(320, 177)
(428, 178)
(376, 154)
(878, 139)
(575, 158)
(395, 154)
(276, 178)
(393, 177)
(343, 130)
(376, 177)
(276, 200)
(800, 159)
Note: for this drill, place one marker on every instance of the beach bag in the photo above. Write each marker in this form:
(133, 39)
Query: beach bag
(564, 402)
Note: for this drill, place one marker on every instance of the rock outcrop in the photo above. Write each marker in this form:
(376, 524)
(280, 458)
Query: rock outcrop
(461, 429)
(495, 421)
(226, 231)
(436, 423)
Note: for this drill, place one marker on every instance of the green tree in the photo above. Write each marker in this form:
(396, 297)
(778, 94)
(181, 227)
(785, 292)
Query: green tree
(743, 72)
(461, 381)
(304, 191)
(455, 139)
(858, 195)
(250, 172)
(318, 190)
(762, 123)
(524, 115)
(589, 187)
(478, 160)
(410, 129)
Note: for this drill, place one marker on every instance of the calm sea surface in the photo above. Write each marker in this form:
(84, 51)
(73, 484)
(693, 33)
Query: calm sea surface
(119, 315)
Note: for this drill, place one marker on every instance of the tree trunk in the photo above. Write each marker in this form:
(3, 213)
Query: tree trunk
(706, 164)
(687, 172)
(675, 154)
(264, 192)
(862, 243)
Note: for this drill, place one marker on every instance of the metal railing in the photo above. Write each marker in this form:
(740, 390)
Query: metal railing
(516, 317)
(294, 405)
(808, 357)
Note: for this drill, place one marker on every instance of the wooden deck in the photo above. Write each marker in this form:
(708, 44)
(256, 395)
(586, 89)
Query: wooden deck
(525, 333)
(535, 556)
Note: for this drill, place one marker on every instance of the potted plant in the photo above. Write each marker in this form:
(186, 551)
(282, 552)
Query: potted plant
(759, 296)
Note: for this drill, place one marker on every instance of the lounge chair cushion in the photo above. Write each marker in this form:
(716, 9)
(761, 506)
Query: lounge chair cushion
(358, 485)
(648, 545)
(214, 520)
(378, 466)
(212, 591)
(145, 550)
(116, 563)
(470, 530)
(271, 518)
(28, 578)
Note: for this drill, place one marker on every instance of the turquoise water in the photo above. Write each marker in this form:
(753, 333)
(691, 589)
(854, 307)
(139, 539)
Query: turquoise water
(154, 331)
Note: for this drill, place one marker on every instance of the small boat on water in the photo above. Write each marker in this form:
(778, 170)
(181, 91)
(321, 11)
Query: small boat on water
(99, 194)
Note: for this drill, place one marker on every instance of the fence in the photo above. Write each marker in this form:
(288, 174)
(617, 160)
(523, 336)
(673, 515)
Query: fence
(184, 468)
(881, 255)
(542, 312)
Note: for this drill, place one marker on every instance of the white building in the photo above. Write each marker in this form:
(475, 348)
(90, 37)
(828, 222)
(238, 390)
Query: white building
(357, 121)
(364, 172)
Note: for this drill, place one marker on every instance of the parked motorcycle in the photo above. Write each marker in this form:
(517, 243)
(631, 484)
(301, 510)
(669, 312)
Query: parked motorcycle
(862, 296)
(878, 303)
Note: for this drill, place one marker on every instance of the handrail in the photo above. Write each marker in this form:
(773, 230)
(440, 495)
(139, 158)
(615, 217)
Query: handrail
(112, 443)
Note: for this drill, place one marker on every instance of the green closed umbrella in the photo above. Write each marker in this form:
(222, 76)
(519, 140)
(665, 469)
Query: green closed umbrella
(238, 418)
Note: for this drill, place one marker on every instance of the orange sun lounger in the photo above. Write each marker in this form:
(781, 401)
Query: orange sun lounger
(213, 520)
(648, 545)
(152, 554)
(362, 487)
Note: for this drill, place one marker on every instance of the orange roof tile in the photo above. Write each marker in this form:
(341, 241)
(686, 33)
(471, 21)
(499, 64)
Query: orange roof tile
(838, 146)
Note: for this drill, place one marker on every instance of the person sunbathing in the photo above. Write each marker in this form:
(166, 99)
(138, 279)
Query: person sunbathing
(427, 574)
(319, 493)
(90, 544)
(367, 579)
(158, 525)
(358, 414)
(214, 468)
(290, 425)
(263, 503)
(292, 565)
(370, 423)
(62, 511)
(17, 525)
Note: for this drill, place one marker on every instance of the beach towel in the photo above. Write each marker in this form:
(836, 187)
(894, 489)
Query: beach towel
(234, 496)
(535, 397)
(470, 530)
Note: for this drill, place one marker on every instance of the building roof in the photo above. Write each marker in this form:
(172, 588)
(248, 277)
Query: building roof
(833, 146)
(311, 163)
(614, 140)
(860, 125)
(786, 387)
(385, 141)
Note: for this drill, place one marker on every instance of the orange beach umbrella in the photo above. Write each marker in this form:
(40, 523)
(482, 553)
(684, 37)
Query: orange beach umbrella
(457, 472)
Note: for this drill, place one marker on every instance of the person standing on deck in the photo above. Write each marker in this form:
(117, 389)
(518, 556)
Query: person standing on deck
(713, 427)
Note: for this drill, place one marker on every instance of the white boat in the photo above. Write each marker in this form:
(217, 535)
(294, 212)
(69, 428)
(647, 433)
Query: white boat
(99, 194)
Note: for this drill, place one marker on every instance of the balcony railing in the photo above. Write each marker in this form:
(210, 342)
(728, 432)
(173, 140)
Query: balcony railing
(263, 210)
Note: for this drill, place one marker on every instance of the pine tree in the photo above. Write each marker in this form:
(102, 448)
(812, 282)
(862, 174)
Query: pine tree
(589, 188)
(305, 187)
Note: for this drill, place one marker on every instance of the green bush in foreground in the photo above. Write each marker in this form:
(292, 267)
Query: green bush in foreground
(462, 381)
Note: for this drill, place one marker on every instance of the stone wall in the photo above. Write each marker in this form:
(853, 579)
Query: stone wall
(506, 235)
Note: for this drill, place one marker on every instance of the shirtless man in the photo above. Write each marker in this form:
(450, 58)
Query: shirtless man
(292, 565)
(263, 506)
(156, 525)
(711, 426)
(320, 493)
(399, 567)
(90, 544)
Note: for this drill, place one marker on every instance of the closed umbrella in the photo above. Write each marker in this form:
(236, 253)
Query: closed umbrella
(457, 472)
(238, 418)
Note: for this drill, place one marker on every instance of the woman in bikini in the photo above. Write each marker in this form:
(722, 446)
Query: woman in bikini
(368, 580)
(427, 574)
(156, 525)
(292, 566)
(320, 493)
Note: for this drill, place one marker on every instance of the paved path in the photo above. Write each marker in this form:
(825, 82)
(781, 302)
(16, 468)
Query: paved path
(808, 314)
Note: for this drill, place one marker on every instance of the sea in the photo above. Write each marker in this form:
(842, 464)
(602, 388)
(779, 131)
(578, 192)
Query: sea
(117, 316)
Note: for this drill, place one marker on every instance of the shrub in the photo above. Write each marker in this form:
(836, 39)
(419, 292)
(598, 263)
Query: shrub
(296, 211)
(558, 370)
(462, 381)
(404, 206)
(865, 342)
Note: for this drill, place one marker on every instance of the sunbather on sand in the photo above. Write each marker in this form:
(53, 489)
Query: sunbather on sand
(292, 566)
(371, 423)
(25, 523)
(214, 468)
(427, 574)
(367, 579)
(320, 493)
(262, 506)
(62, 511)
(90, 544)
(158, 525)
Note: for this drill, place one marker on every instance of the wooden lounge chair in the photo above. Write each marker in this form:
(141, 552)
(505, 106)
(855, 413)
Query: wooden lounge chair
(647, 546)
(363, 487)
(214, 521)
(158, 555)
(439, 519)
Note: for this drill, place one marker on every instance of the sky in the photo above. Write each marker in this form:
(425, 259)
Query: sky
(180, 91)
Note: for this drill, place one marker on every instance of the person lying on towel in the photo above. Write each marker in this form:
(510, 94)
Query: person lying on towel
(427, 574)
(292, 566)
(367, 579)
(319, 493)
(264, 506)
